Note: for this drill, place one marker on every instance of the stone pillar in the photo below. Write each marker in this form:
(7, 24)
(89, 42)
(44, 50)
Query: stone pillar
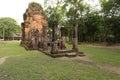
(63, 38)
(23, 31)
(40, 42)
(54, 47)
(45, 38)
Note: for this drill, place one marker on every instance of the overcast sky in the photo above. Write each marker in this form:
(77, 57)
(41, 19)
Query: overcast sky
(16, 8)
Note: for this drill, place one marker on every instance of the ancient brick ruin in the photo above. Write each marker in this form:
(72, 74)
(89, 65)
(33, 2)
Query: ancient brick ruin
(32, 27)
(36, 35)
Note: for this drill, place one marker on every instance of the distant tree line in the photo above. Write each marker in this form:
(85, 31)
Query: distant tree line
(8, 27)
(93, 25)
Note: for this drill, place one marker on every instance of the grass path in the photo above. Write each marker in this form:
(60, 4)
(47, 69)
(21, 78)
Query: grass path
(102, 66)
(107, 56)
(86, 60)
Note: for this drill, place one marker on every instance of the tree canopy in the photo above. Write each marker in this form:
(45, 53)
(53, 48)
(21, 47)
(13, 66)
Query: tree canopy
(93, 25)
(8, 27)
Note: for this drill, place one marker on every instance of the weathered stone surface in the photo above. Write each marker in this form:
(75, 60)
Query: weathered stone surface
(54, 44)
(62, 38)
(34, 20)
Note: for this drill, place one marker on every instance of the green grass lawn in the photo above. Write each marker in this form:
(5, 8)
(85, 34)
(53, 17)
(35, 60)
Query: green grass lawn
(109, 56)
(34, 65)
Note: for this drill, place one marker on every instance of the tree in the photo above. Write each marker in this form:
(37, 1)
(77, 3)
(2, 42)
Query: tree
(55, 11)
(9, 25)
(110, 12)
(92, 26)
(76, 11)
(92, 23)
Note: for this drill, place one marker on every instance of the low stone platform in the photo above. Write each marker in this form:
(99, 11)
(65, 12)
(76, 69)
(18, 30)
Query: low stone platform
(64, 53)
(60, 53)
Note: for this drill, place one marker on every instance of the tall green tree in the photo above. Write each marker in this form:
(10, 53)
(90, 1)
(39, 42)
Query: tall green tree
(9, 26)
(76, 10)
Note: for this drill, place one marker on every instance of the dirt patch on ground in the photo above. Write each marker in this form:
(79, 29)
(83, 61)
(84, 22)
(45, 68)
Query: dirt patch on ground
(3, 59)
(86, 60)
(110, 68)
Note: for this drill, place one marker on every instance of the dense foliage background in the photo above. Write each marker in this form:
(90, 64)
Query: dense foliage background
(93, 25)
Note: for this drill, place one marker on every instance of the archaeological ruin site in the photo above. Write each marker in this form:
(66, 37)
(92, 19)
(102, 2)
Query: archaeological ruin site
(36, 34)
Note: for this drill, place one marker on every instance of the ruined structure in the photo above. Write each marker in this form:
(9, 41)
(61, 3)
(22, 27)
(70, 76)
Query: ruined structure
(32, 27)
(36, 36)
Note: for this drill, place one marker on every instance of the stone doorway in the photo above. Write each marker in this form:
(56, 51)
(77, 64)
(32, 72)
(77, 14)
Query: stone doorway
(34, 38)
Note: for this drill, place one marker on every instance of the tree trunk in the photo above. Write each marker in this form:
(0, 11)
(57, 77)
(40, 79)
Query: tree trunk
(75, 37)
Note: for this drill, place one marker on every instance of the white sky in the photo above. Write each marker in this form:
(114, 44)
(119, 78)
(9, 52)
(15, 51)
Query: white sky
(94, 3)
(16, 8)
